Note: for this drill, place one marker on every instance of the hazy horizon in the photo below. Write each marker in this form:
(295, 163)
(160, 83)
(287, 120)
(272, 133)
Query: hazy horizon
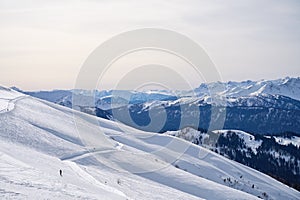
(99, 89)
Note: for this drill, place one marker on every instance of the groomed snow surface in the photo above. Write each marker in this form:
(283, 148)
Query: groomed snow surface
(101, 159)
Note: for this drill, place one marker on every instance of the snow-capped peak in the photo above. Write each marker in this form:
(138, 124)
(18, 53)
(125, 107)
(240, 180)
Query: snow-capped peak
(287, 86)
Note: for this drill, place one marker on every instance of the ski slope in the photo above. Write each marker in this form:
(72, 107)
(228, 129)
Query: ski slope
(8, 98)
(103, 159)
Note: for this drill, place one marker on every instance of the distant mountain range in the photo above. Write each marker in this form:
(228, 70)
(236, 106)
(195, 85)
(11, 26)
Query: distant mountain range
(261, 107)
(40, 138)
(289, 87)
(261, 118)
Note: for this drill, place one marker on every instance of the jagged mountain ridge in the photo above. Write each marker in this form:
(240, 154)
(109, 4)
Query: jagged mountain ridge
(265, 107)
(289, 87)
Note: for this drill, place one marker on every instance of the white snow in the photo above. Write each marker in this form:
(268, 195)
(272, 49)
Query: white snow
(289, 87)
(7, 98)
(28, 174)
(247, 138)
(3, 105)
(102, 159)
(285, 141)
(259, 91)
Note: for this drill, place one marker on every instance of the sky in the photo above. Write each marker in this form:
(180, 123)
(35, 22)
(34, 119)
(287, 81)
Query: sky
(43, 44)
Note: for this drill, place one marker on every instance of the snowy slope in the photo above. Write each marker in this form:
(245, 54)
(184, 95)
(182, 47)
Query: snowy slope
(276, 156)
(28, 174)
(248, 139)
(102, 159)
(286, 141)
(7, 98)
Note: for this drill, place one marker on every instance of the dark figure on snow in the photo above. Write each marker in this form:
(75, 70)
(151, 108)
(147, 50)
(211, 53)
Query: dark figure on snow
(60, 172)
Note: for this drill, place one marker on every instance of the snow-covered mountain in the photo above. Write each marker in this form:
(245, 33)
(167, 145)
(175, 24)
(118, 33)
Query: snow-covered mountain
(101, 99)
(276, 156)
(102, 159)
(265, 107)
(263, 114)
(289, 87)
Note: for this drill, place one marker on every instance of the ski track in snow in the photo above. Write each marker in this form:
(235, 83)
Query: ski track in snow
(9, 104)
(86, 176)
(84, 154)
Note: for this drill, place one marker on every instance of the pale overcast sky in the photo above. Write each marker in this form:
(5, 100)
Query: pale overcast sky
(43, 44)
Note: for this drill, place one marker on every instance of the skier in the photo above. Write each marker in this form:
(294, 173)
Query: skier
(60, 173)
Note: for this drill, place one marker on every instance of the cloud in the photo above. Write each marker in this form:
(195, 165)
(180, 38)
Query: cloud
(246, 39)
